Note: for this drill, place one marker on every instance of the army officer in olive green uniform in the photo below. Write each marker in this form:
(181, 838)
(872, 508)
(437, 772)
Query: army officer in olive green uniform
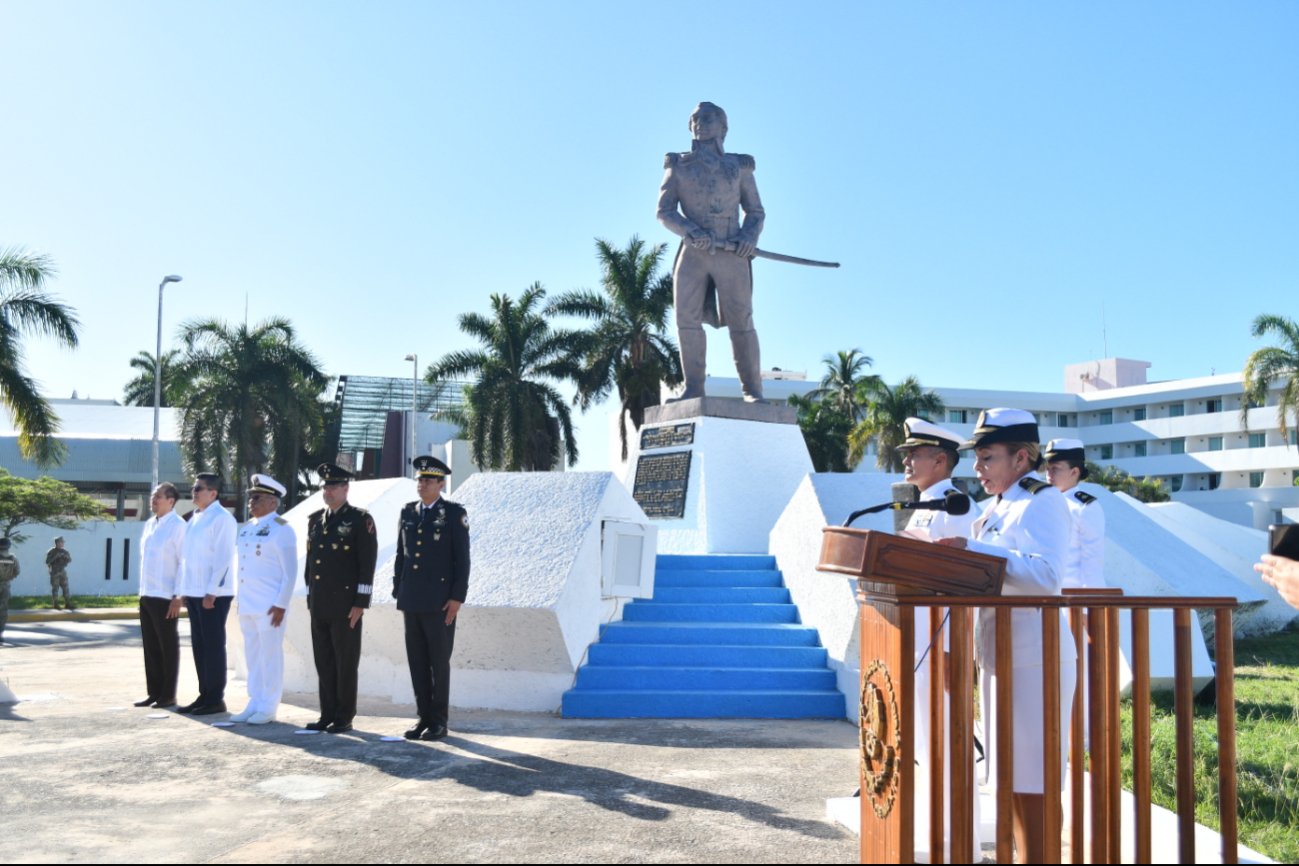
(341, 553)
(430, 580)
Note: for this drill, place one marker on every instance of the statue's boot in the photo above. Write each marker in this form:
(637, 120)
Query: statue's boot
(694, 362)
(748, 363)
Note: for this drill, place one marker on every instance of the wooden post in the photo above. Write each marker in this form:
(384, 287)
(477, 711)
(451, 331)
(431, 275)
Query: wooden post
(1077, 736)
(937, 739)
(1052, 749)
(963, 789)
(1003, 739)
(1183, 711)
(1225, 664)
(1097, 735)
(1141, 732)
(1115, 744)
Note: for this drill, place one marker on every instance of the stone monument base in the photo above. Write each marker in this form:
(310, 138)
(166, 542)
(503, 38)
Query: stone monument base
(715, 473)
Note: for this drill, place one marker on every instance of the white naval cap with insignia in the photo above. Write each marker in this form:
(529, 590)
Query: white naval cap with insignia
(1067, 449)
(1002, 425)
(922, 432)
(260, 483)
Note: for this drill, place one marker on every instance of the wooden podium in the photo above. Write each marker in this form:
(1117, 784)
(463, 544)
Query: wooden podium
(888, 568)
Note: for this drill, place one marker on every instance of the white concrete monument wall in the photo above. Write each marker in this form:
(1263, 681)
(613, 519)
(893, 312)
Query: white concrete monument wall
(742, 473)
(534, 602)
(1234, 547)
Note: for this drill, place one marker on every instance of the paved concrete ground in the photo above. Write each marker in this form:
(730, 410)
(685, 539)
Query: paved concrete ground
(86, 777)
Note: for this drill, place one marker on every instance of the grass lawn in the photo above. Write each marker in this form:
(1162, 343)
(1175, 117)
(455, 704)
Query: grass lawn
(43, 602)
(1267, 748)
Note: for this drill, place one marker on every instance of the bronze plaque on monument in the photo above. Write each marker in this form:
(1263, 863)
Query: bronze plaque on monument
(672, 436)
(660, 487)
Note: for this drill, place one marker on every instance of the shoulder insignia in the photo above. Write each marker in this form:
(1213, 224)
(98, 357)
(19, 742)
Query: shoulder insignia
(746, 162)
(1084, 497)
(281, 521)
(1034, 485)
(369, 524)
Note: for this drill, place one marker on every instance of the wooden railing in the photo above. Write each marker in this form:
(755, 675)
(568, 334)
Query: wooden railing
(1093, 618)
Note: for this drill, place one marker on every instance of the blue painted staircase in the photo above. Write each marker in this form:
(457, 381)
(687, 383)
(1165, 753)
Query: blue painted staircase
(719, 639)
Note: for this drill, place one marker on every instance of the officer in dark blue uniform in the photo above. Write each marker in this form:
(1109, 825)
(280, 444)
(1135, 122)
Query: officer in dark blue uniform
(430, 580)
(341, 551)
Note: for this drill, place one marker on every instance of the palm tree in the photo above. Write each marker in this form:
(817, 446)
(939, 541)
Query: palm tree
(26, 309)
(515, 419)
(628, 346)
(139, 391)
(882, 420)
(825, 430)
(253, 401)
(1273, 363)
(845, 382)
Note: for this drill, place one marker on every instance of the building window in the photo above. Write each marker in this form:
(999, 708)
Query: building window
(956, 416)
(1139, 413)
(1213, 405)
(1106, 417)
(1214, 480)
(1257, 440)
(1294, 437)
(1215, 444)
(1256, 479)
(1175, 483)
(1176, 410)
(1067, 419)
(1107, 452)
(1138, 449)
(1176, 446)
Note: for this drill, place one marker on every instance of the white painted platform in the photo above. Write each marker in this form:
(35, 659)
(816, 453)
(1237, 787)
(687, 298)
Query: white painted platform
(846, 811)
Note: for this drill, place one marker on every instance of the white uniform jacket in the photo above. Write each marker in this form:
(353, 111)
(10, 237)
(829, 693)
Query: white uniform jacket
(266, 564)
(1085, 566)
(160, 551)
(208, 557)
(1031, 530)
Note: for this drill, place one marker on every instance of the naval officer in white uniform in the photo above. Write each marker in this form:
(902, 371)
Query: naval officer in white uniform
(1066, 465)
(266, 565)
(1027, 522)
(929, 458)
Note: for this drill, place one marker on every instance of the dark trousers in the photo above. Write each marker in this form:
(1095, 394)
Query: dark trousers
(207, 633)
(428, 652)
(337, 648)
(161, 648)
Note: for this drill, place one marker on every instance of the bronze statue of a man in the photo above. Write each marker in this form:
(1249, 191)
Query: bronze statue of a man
(701, 198)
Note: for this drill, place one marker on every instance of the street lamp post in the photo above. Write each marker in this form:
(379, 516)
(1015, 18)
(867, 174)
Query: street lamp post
(157, 378)
(414, 404)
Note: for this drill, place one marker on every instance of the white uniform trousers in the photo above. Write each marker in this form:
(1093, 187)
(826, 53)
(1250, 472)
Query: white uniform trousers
(922, 728)
(264, 655)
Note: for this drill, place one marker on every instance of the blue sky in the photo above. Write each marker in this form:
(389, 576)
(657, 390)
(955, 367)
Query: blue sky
(1010, 187)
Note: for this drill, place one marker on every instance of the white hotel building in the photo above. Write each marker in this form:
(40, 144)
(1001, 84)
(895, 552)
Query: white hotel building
(1186, 433)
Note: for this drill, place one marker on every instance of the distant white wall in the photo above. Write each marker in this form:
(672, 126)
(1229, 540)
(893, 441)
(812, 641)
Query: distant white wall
(98, 566)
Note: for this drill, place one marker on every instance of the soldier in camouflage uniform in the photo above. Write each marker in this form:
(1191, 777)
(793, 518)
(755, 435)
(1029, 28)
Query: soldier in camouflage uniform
(57, 561)
(8, 571)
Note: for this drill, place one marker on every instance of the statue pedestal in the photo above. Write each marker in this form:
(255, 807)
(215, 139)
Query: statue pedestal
(715, 473)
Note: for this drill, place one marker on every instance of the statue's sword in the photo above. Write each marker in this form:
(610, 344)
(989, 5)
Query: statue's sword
(731, 246)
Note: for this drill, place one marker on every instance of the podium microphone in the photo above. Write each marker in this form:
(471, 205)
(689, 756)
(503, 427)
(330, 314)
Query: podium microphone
(903, 493)
(953, 502)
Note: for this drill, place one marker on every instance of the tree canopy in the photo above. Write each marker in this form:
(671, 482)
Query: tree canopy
(26, 309)
(43, 500)
(514, 416)
(1274, 363)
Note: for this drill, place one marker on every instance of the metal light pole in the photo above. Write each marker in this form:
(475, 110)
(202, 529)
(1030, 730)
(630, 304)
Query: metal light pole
(414, 398)
(157, 378)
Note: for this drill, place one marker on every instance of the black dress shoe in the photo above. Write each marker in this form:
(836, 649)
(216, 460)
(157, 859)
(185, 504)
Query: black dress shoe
(435, 732)
(189, 708)
(339, 728)
(319, 725)
(209, 709)
(146, 702)
(414, 733)
(165, 703)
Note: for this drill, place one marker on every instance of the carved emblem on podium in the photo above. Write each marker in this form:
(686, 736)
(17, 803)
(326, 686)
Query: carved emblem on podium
(879, 738)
